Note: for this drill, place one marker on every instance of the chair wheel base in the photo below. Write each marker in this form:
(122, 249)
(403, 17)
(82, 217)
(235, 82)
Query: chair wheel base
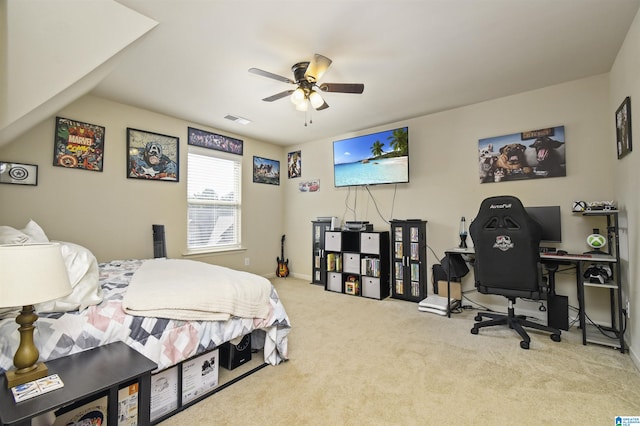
(478, 317)
(474, 330)
(555, 337)
(524, 344)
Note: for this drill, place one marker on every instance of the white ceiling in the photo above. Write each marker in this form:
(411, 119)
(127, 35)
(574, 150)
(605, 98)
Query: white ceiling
(414, 57)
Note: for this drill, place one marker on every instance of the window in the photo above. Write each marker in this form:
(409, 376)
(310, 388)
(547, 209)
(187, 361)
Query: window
(213, 200)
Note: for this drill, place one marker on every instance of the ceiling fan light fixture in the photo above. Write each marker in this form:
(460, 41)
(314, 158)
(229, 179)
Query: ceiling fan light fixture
(302, 106)
(298, 96)
(315, 99)
(308, 91)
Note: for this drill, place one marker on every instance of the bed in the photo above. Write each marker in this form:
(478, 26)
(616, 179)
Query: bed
(98, 311)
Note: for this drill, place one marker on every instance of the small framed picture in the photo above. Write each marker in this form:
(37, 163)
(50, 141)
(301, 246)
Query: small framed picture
(152, 156)
(266, 171)
(214, 141)
(623, 128)
(18, 173)
(294, 164)
(78, 145)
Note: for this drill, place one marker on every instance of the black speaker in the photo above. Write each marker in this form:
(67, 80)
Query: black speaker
(232, 356)
(159, 244)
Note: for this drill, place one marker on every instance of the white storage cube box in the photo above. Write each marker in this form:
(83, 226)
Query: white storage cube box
(371, 287)
(334, 282)
(370, 243)
(351, 263)
(333, 241)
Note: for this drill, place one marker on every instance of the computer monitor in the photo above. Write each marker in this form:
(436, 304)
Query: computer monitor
(549, 219)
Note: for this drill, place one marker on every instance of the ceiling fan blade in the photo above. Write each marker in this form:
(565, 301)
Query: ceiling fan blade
(268, 74)
(324, 105)
(317, 67)
(278, 96)
(342, 87)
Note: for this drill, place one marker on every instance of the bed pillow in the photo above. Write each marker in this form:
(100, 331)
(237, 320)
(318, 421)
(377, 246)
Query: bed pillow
(82, 268)
(35, 232)
(32, 233)
(9, 235)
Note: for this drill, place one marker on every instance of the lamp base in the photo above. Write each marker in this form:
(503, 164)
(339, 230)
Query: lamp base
(14, 378)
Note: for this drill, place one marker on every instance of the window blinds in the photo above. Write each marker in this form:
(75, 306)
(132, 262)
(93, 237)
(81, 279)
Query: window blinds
(213, 201)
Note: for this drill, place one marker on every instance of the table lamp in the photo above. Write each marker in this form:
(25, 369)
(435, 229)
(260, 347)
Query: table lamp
(463, 233)
(30, 274)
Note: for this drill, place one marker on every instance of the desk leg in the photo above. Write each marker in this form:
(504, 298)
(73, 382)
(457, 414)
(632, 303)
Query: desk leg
(448, 285)
(581, 308)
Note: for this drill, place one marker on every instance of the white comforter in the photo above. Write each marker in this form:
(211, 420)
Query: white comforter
(190, 290)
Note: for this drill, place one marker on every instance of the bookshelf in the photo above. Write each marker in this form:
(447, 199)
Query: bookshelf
(357, 263)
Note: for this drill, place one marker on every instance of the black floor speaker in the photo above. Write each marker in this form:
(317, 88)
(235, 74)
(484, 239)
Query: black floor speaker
(159, 242)
(232, 356)
(558, 312)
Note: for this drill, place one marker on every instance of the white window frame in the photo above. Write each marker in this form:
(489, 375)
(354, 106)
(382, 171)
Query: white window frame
(194, 246)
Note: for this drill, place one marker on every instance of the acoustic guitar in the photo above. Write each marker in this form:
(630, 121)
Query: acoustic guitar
(282, 270)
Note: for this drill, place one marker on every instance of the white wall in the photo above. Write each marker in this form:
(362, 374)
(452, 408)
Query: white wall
(444, 173)
(625, 81)
(112, 215)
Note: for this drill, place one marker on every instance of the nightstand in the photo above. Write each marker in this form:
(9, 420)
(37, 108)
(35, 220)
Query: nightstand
(95, 372)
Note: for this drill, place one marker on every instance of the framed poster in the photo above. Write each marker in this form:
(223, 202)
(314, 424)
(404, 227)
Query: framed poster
(294, 164)
(78, 145)
(623, 128)
(266, 171)
(214, 141)
(312, 185)
(18, 173)
(532, 154)
(152, 156)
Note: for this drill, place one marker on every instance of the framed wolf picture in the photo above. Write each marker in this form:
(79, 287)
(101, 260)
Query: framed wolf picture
(533, 154)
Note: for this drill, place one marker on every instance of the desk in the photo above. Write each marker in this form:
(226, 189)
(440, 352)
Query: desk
(573, 259)
(91, 373)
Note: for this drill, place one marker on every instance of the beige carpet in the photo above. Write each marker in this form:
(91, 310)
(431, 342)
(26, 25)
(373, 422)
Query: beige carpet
(359, 361)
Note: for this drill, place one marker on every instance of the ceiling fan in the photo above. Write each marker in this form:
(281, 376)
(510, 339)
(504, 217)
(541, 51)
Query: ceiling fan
(306, 76)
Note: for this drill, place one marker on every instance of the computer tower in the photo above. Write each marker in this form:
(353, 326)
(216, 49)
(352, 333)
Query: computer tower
(558, 312)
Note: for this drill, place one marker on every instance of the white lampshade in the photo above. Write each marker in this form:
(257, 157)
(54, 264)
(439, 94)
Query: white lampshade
(302, 106)
(31, 274)
(298, 96)
(316, 100)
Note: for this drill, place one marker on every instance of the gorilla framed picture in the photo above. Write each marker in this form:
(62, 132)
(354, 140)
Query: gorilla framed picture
(152, 156)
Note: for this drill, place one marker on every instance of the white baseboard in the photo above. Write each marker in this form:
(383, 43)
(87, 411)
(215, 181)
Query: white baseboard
(633, 356)
(302, 277)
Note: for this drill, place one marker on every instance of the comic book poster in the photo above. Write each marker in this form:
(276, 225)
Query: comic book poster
(78, 145)
(152, 155)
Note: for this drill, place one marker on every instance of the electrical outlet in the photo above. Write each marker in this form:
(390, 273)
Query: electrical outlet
(628, 309)
(247, 261)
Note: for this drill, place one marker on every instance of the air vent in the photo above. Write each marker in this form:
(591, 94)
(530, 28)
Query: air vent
(237, 119)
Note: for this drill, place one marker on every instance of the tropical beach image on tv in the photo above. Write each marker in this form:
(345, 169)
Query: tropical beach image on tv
(374, 159)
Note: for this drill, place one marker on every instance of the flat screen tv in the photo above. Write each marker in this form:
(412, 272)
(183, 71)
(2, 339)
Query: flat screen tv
(374, 159)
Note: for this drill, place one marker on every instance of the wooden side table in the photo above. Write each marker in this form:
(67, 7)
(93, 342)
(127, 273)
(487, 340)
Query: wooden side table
(95, 372)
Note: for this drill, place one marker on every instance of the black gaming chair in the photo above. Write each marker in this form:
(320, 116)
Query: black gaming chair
(507, 262)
